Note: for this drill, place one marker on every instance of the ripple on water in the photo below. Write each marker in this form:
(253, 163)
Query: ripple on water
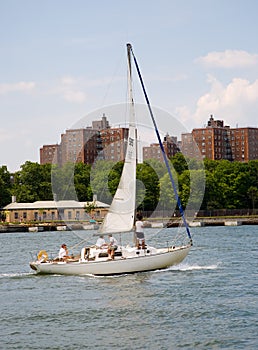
(207, 302)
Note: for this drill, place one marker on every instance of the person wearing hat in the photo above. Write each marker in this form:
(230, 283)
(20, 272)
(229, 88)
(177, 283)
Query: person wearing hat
(63, 252)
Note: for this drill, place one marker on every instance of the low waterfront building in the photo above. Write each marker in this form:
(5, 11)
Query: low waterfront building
(49, 211)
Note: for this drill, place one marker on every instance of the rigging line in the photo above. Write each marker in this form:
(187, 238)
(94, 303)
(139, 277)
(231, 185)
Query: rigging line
(161, 146)
(78, 244)
(115, 77)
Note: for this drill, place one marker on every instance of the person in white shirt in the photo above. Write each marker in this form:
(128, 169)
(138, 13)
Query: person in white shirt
(101, 243)
(139, 234)
(63, 252)
(112, 246)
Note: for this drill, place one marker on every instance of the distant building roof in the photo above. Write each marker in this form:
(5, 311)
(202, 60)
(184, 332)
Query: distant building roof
(54, 204)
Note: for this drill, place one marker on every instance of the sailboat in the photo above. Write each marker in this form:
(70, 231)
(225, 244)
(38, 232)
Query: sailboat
(121, 218)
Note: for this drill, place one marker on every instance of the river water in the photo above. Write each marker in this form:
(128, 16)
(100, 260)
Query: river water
(207, 302)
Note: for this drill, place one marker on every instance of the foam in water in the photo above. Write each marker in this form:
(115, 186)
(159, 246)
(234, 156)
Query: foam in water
(13, 275)
(187, 267)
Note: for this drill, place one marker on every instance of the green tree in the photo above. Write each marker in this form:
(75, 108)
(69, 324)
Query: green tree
(252, 194)
(89, 207)
(212, 195)
(63, 186)
(32, 182)
(148, 190)
(5, 186)
(167, 196)
(158, 166)
(179, 163)
(82, 182)
(100, 180)
(192, 189)
(114, 177)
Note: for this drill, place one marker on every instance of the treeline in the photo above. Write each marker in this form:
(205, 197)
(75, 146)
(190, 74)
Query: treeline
(204, 185)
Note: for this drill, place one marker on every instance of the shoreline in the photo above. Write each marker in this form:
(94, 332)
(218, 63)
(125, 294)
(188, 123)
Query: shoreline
(157, 223)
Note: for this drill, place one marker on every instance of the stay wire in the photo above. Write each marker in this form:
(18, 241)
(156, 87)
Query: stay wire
(162, 148)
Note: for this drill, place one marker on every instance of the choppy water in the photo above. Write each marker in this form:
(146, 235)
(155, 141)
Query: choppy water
(208, 302)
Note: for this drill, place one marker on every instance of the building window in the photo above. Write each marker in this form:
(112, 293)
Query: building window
(24, 215)
(69, 215)
(16, 216)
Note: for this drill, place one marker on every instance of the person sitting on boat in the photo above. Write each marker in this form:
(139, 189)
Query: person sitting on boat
(63, 253)
(112, 246)
(140, 239)
(101, 243)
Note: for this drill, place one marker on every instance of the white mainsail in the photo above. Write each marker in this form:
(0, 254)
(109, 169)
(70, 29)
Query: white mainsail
(120, 217)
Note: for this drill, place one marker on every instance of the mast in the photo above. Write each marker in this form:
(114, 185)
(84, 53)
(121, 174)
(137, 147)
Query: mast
(120, 217)
(161, 145)
(129, 81)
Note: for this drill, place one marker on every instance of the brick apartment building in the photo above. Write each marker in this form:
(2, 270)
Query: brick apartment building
(114, 143)
(80, 145)
(217, 141)
(244, 144)
(153, 151)
(50, 154)
(86, 144)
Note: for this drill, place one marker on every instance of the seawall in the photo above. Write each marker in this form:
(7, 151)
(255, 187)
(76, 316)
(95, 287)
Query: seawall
(159, 223)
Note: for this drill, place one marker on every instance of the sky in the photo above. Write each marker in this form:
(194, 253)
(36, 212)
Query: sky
(63, 61)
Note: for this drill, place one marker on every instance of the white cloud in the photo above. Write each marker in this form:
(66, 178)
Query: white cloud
(70, 89)
(74, 96)
(229, 59)
(184, 114)
(77, 90)
(5, 136)
(68, 80)
(235, 103)
(21, 86)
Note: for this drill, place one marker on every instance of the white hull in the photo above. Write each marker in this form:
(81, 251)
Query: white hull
(161, 259)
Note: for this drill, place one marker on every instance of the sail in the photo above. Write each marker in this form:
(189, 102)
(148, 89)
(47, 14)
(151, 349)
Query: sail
(120, 217)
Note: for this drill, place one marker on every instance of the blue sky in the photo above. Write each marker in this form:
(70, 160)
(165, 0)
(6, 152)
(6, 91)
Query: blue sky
(61, 60)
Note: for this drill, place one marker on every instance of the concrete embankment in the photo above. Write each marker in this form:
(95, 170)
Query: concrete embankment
(217, 221)
(5, 228)
(26, 228)
(175, 222)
